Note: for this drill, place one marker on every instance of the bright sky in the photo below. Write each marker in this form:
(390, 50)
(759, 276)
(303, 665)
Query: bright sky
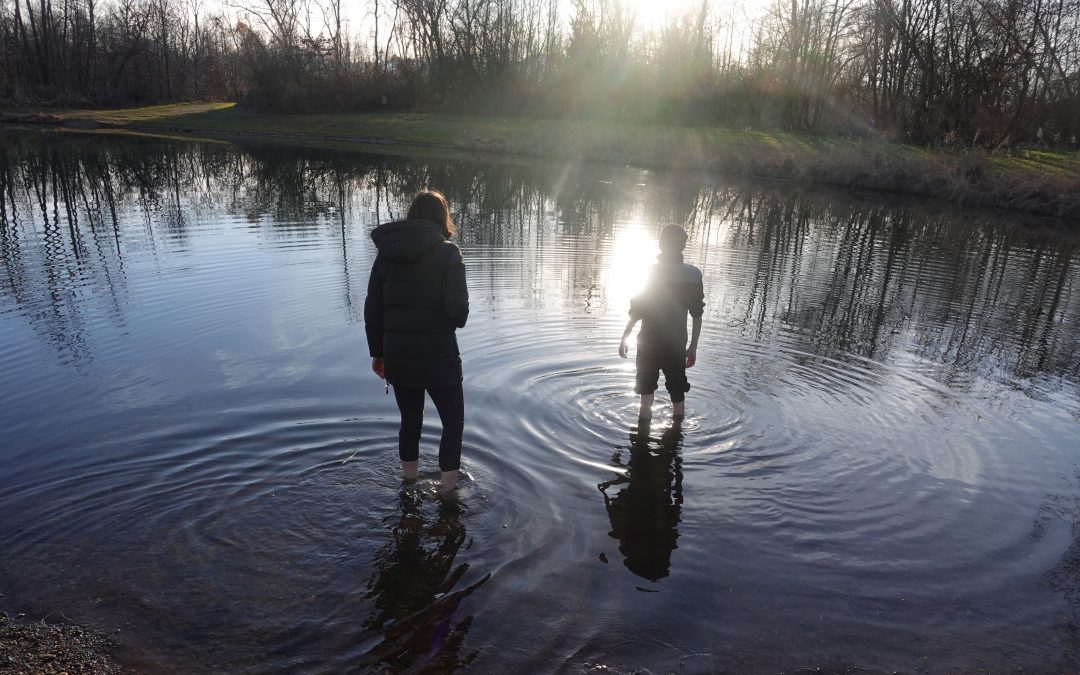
(653, 13)
(650, 14)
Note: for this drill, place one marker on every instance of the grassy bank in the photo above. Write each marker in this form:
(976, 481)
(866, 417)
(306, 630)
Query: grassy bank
(1036, 181)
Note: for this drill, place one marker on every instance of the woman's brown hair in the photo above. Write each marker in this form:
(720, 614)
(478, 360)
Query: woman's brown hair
(431, 205)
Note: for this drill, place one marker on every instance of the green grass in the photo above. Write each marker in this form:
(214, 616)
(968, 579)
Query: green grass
(515, 135)
(156, 113)
(1060, 164)
(1035, 180)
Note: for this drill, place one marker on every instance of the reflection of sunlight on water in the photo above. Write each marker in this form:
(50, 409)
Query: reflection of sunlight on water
(632, 253)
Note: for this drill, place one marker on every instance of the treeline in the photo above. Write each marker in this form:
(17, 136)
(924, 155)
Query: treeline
(967, 71)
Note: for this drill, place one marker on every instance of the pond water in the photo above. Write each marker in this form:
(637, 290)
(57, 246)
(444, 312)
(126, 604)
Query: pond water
(878, 468)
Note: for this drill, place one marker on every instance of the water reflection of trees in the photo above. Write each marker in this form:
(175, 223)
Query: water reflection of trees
(58, 227)
(864, 278)
(414, 596)
(644, 503)
(840, 276)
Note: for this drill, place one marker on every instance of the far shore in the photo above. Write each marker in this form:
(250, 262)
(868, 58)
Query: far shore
(1041, 181)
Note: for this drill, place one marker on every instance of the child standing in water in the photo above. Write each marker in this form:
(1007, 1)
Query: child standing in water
(416, 301)
(673, 290)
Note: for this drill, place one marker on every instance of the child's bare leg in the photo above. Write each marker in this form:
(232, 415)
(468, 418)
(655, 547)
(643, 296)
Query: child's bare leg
(449, 481)
(679, 408)
(645, 411)
(409, 469)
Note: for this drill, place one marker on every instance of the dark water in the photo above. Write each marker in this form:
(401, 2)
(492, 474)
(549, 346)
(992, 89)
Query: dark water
(879, 466)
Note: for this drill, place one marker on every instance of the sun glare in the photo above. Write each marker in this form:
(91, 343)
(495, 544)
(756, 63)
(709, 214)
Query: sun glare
(649, 14)
(632, 253)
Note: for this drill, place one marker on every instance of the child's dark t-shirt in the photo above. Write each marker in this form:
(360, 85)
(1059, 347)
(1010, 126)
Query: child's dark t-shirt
(674, 289)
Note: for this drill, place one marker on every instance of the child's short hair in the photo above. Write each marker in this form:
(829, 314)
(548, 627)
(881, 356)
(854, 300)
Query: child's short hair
(672, 239)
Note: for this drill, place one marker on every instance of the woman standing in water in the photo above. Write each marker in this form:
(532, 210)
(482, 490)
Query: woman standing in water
(416, 300)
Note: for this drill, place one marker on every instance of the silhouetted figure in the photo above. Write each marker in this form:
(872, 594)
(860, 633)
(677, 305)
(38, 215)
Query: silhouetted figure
(644, 513)
(416, 300)
(412, 588)
(674, 289)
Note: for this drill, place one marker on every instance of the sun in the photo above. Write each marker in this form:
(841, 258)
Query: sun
(633, 252)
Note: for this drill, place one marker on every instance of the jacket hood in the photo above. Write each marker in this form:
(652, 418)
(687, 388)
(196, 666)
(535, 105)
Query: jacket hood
(406, 240)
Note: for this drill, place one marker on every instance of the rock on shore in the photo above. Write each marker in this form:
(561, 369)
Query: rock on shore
(46, 648)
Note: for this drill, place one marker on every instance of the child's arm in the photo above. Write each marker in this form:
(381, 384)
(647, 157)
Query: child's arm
(623, 346)
(691, 351)
(373, 321)
(696, 307)
(635, 316)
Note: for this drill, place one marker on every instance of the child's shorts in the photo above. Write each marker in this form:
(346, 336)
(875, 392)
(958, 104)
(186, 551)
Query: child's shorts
(649, 366)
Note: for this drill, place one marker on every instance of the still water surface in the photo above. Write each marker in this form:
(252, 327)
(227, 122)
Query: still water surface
(879, 466)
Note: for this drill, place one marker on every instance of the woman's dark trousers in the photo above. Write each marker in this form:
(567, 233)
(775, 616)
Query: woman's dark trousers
(450, 403)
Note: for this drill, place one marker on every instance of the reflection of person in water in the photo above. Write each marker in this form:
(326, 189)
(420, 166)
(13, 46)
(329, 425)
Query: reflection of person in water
(645, 511)
(411, 588)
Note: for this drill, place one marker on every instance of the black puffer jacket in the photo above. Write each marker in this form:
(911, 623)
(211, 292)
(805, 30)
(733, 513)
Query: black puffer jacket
(416, 299)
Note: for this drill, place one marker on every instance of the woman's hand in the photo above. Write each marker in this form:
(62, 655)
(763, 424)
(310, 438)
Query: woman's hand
(379, 368)
(623, 348)
(691, 357)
